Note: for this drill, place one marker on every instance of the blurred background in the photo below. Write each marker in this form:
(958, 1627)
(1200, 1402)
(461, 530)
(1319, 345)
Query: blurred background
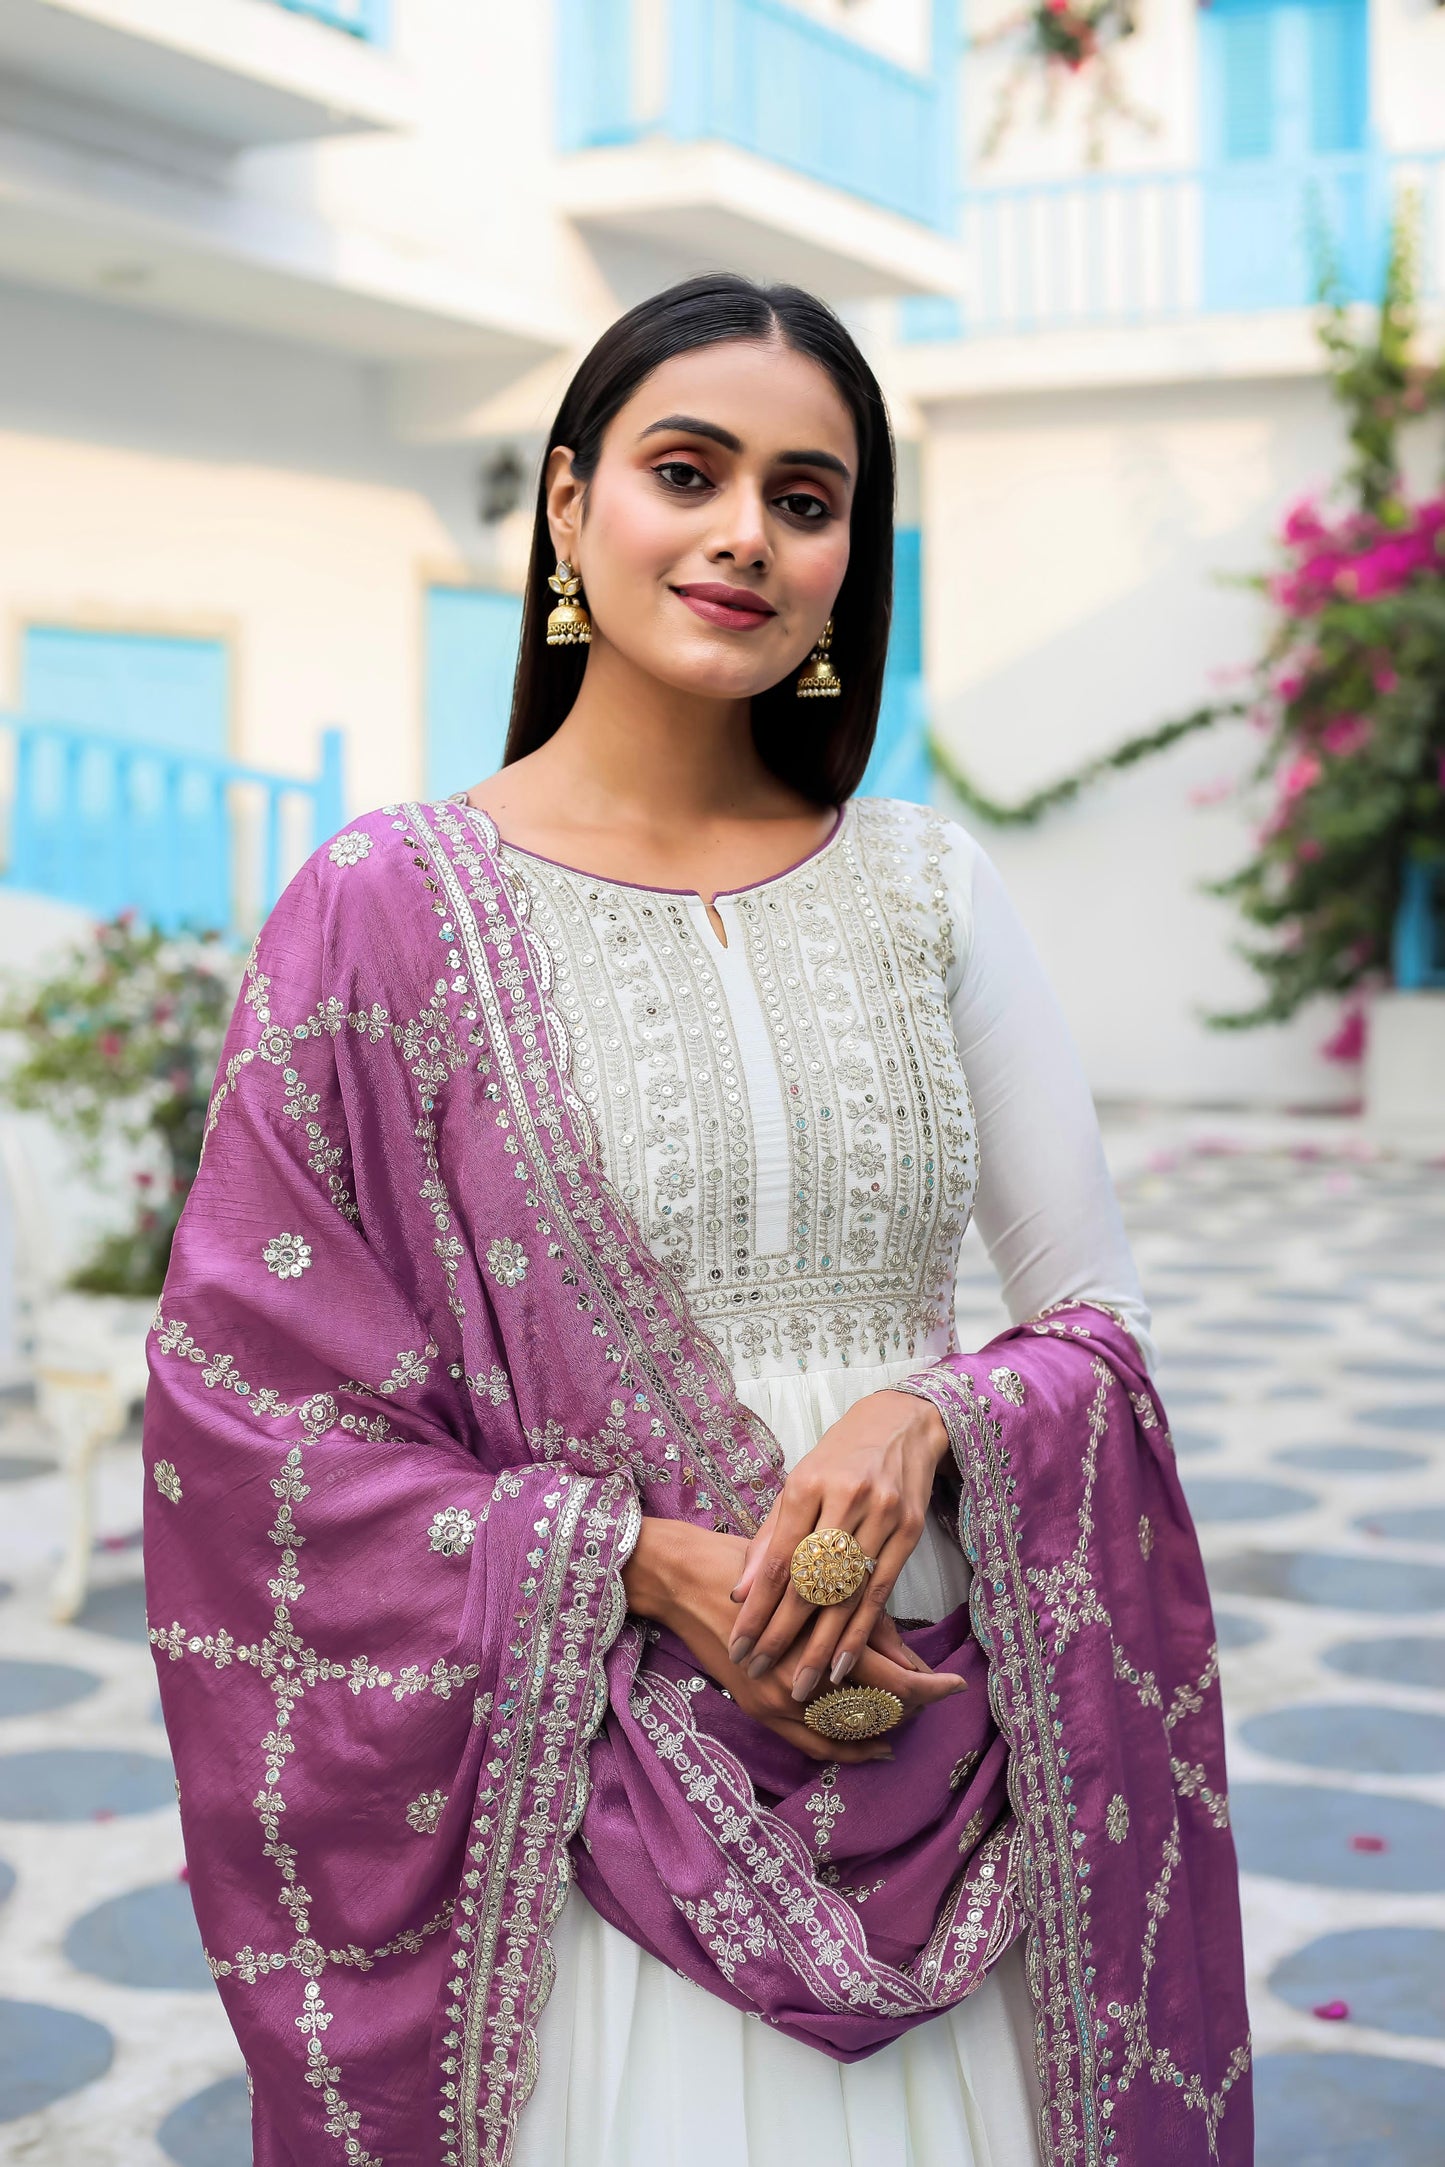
(288, 292)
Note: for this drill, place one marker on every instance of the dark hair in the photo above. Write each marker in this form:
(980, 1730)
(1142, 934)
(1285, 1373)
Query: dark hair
(820, 747)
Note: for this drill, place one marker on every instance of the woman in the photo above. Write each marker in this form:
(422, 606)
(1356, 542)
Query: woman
(556, 1410)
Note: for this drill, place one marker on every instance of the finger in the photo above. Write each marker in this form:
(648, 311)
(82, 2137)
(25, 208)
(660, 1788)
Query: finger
(873, 1602)
(756, 1548)
(916, 1689)
(820, 1648)
(797, 1517)
(888, 1641)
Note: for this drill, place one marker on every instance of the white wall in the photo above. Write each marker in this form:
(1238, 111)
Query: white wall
(165, 477)
(1075, 547)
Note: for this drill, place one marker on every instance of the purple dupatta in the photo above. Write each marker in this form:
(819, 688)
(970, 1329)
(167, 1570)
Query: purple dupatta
(415, 1376)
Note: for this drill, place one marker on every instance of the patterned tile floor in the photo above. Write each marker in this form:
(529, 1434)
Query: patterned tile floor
(1300, 1296)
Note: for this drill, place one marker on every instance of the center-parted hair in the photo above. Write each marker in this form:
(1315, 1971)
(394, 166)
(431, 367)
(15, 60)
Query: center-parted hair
(820, 747)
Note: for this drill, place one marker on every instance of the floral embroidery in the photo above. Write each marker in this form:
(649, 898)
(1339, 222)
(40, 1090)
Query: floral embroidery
(1008, 1384)
(350, 848)
(453, 1531)
(507, 1261)
(1116, 1819)
(848, 956)
(1146, 1535)
(424, 1813)
(287, 1255)
(167, 1481)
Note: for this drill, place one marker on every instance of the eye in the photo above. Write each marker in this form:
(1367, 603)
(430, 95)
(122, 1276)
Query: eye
(680, 474)
(800, 504)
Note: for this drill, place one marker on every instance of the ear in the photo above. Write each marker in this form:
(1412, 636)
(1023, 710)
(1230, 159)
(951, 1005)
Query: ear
(565, 494)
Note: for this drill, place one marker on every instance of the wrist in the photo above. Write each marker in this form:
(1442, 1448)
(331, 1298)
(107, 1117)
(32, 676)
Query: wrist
(927, 1425)
(650, 1575)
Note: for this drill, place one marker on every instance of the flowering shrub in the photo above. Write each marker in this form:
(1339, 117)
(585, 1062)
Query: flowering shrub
(122, 1044)
(1350, 692)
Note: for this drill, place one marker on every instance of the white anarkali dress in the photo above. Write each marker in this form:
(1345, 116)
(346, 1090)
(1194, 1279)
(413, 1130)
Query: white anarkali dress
(803, 1121)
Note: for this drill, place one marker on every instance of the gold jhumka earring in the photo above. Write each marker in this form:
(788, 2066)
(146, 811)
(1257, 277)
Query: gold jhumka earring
(818, 680)
(569, 624)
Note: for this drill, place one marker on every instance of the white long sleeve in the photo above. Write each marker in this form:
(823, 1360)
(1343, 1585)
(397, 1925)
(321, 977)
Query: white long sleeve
(1046, 1206)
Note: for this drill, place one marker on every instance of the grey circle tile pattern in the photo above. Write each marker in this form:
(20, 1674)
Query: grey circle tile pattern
(1389, 1587)
(1409, 1659)
(1235, 1497)
(1411, 1523)
(1391, 1977)
(1362, 1740)
(1274, 1834)
(145, 1938)
(1350, 1459)
(1427, 1416)
(1193, 1444)
(1232, 1629)
(1347, 2110)
(61, 1784)
(118, 1611)
(24, 1467)
(46, 2054)
(211, 2130)
(30, 1689)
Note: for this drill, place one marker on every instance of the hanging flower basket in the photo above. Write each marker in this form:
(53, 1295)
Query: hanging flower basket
(1059, 41)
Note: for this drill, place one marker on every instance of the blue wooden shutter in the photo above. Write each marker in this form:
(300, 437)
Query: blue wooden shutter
(471, 656)
(1247, 90)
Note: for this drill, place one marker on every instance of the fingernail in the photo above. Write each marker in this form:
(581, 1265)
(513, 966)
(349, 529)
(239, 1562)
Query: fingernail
(742, 1647)
(915, 1661)
(960, 1685)
(736, 1595)
(884, 1753)
(760, 1666)
(843, 1662)
(804, 1683)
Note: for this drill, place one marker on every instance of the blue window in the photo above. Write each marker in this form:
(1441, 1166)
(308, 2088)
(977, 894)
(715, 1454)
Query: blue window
(363, 18)
(899, 766)
(137, 685)
(1288, 172)
(471, 657)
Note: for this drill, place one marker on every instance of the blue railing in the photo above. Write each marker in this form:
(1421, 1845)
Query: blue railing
(762, 76)
(1417, 954)
(369, 19)
(182, 839)
(1133, 248)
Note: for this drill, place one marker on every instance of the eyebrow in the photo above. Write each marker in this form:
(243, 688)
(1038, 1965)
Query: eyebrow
(691, 425)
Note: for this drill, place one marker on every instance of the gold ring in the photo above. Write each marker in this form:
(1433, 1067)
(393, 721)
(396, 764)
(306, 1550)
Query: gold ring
(853, 1713)
(829, 1566)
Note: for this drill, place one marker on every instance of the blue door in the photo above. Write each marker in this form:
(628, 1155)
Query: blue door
(900, 766)
(471, 657)
(1288, 173)
(109, 811)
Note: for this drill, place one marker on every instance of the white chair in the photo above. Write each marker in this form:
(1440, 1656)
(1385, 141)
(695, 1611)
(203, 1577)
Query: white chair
(85, 1352)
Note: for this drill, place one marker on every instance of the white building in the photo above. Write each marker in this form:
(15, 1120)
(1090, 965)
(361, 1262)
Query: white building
(288, 289)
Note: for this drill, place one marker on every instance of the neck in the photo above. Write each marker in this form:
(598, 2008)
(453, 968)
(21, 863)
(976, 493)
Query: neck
(634, 747)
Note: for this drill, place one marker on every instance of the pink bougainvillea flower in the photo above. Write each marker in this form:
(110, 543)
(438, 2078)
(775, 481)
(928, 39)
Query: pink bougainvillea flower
(1333, 2012)
(1302, 522)
(1346, 733)
(1386, 679)
(1347, 1043)
(1302, 774)
(110, 1045)
(1308, 851)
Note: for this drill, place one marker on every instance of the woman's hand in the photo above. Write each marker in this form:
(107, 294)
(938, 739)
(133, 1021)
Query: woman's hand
(871, 1473)
(683, 1576)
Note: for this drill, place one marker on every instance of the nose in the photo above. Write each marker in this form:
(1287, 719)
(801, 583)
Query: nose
(740, 535)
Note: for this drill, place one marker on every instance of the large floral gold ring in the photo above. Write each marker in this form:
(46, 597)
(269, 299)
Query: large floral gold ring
(853, 1713)
(829, 1566)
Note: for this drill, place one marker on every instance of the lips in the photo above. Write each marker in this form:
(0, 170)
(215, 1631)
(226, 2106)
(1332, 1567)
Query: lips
(735, 608)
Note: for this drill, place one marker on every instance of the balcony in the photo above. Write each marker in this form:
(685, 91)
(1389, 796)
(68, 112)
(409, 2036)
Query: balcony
(233, 73)
(188, 841)
(748, 134)
(1106, 256)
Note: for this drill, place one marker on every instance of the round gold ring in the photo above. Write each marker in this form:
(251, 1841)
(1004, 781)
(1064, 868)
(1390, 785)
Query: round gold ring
(853, 1713)
(829, 1566)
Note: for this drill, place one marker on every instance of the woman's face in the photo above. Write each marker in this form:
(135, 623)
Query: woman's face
(714, 534)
